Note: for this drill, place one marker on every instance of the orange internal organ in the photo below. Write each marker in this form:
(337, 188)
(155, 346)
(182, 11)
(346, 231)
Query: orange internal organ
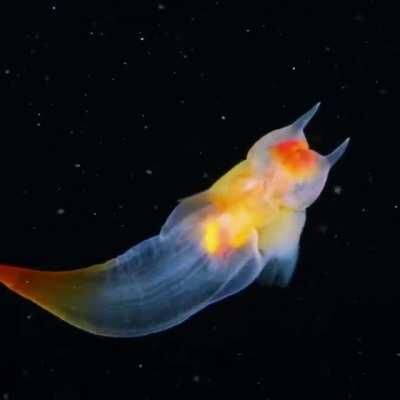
(295, 157)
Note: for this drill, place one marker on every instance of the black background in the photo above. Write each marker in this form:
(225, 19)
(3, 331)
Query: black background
(112, 112)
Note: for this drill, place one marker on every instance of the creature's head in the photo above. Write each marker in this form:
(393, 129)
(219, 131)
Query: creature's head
(286, 151)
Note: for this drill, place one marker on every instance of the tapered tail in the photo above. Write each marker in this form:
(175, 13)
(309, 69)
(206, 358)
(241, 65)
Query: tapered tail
(66, 294)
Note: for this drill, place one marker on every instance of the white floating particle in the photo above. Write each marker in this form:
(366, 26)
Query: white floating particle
(149, 171)
(77, 165)
(337, 189)
(60, 211)
(223, 117)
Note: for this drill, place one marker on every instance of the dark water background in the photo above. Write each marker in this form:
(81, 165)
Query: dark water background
(110, 113)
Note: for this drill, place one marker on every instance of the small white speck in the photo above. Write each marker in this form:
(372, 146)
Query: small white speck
(60, 211)
(293, 68)
(149, 171)
(363, 209)
(7, 71)
(141, 38)
(77, 165)
(29, 316)
(196, 378)
(396, 206)
(140, 365)
(53, 8)
(38, 124)
(161, 6)
(337, 189)
(223, 117)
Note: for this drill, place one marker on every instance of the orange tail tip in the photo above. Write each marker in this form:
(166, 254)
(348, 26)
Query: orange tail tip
(21, 280)
(10, 276)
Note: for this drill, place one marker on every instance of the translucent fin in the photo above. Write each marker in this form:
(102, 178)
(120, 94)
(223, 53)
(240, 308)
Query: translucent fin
(279, 243)
(279, 271)
(186, 207)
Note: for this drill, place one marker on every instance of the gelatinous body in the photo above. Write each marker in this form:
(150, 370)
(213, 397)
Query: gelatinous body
(247, 225)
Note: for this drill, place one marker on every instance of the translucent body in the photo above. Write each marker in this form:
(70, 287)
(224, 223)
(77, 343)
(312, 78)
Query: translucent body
(214, 244)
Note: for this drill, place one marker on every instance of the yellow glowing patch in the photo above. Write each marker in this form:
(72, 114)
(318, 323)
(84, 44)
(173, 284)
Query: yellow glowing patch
(240, 210)
(211, 238)
(240, 238)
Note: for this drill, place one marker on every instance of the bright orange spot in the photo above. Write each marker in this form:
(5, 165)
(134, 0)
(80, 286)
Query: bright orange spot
(296, 157)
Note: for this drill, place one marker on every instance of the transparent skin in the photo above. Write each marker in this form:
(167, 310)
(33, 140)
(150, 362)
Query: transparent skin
(247, 225)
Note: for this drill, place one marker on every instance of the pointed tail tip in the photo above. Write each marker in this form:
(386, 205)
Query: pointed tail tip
(8, 275)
